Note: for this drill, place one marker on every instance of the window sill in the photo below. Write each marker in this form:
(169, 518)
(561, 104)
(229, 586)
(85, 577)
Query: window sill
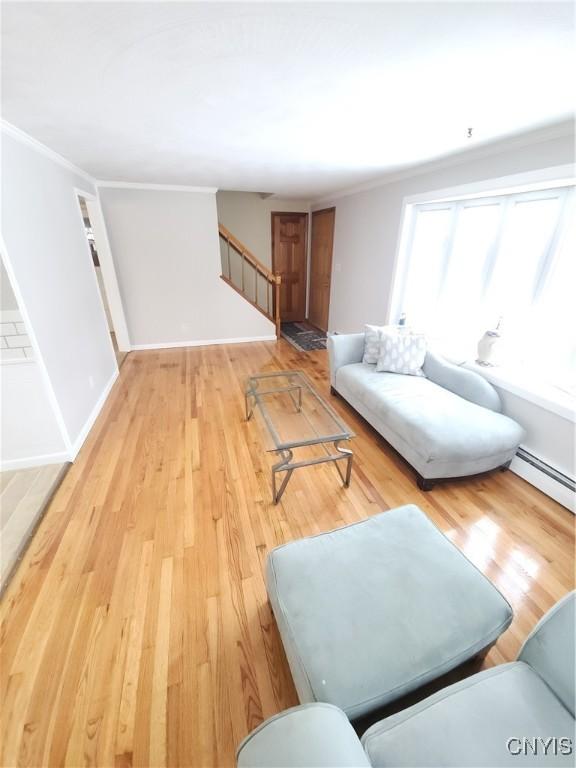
(538, 392)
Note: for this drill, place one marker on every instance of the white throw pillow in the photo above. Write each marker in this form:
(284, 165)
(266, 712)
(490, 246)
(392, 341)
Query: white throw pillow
(372, 342)
(401, 352)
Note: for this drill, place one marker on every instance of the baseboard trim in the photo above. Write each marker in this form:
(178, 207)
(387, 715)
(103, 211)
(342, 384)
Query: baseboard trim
(202, 343)
(545, 481)
(35, 461)
(79, 442)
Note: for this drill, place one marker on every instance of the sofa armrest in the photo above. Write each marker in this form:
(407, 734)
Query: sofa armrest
(343, 349)
(550, 649)
(467, 384)
(310, 736)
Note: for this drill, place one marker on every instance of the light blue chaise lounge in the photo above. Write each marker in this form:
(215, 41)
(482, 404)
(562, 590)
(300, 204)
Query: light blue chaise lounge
(446, 424)
(516, 714)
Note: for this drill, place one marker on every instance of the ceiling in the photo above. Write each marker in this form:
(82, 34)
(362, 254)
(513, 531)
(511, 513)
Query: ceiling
(291, 98)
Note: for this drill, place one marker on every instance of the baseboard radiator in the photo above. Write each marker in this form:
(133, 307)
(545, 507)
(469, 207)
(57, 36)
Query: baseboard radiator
(547, 478)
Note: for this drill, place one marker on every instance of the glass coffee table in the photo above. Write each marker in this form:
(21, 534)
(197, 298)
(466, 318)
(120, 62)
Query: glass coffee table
(296, 416)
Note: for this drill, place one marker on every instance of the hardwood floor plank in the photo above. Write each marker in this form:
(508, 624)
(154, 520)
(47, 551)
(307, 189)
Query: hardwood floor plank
(158, 714)
(137, 630)
(127, 710)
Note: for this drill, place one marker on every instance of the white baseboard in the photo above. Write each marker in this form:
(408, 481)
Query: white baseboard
(546, 484)
(203, 343)
(77, 444)
(35, 461)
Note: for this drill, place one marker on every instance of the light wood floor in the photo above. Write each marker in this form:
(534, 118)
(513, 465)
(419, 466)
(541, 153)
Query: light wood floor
(137, 631)
(23, 496)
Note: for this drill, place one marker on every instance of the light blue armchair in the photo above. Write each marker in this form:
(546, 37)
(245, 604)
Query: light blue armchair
(516, 714)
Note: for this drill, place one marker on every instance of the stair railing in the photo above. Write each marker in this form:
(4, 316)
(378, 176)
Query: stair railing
(250, 277)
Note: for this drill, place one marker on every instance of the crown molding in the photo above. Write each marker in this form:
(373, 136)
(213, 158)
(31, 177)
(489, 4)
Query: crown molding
(551, 177)
(30, 141)
(25, 138)
(496, 147)
(565, 128)
(101, 184)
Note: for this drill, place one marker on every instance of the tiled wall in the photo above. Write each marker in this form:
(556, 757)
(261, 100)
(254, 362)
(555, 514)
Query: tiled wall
(14, 341)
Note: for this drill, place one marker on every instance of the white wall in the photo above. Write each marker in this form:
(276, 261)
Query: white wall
(30, 434)
(248, 217)
(368, 225)
(549, 435)
(29, 431)
(54, 278)
(7, 299)
(167, 256)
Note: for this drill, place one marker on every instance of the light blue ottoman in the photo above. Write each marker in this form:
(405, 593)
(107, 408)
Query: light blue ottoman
(369, 612)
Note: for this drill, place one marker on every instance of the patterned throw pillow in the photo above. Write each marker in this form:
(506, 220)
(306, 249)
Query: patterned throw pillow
(401, 352)
(372, 342)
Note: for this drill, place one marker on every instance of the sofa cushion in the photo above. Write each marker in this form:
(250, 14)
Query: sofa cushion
(438, 424)
(310, 736)
(401, 352)
(372, 611)
(471, 722)
(372, 342)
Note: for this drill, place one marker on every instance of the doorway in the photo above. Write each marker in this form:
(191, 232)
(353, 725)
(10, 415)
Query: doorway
(34, 456)
(321, 267)
(289, 232)
(94, 252)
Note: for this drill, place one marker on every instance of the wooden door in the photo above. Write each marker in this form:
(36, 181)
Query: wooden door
(321, 267)
(289, 261)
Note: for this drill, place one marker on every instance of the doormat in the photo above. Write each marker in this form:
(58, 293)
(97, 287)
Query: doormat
(303, 337)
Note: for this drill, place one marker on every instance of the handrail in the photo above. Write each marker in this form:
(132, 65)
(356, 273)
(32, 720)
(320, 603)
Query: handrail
(247, 254)
(259, 269)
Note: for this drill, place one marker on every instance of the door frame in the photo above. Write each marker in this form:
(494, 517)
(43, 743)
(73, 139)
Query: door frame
(107, 268)
(322, 210)
(306, 216)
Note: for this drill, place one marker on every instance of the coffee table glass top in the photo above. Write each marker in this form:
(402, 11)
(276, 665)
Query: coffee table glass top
(294, 413)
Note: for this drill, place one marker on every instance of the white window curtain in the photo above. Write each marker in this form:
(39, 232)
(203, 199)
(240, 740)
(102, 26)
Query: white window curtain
(473, 263)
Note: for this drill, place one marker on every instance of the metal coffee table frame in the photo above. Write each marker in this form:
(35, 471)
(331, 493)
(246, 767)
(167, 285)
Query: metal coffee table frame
(297, 382)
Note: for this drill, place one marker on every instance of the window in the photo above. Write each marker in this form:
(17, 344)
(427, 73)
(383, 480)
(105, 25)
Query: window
(472, 263)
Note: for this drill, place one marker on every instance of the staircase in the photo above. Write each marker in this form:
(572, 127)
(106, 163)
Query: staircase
(249, 277)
